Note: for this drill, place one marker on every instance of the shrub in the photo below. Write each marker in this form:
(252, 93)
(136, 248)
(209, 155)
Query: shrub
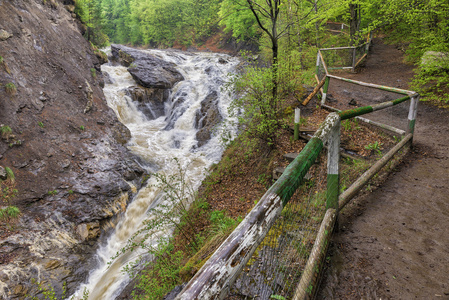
(93, 72)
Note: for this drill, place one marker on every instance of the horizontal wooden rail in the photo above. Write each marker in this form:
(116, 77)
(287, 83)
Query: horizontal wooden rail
(337, 48)
(308, 282)
(372, 85)
(214, 279)
(351, 113)
(371, 122)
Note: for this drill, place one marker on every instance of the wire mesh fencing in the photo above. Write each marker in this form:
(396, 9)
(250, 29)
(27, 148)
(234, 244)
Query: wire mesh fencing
(276, 267)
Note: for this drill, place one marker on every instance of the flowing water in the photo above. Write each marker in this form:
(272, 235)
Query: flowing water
(157, 142)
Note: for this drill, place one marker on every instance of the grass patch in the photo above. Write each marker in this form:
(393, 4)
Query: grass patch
(10, 88)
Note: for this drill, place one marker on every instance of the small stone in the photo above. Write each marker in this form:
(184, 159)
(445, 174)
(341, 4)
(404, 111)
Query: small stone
(4, 35)
(65, 163)
(352, 102)
(222, 61)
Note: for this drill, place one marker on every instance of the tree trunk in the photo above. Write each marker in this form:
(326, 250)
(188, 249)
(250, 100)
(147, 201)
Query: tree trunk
(354, 22)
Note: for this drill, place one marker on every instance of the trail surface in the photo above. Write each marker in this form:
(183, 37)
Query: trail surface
(394, 242)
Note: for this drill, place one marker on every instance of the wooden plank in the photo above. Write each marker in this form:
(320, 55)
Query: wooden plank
(315, 90)
(357, 63)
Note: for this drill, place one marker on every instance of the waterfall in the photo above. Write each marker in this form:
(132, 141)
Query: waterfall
(157, 142)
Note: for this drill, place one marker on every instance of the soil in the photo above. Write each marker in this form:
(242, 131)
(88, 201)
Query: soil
(393, 242)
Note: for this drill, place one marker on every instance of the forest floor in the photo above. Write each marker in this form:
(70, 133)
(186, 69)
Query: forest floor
(393, 243)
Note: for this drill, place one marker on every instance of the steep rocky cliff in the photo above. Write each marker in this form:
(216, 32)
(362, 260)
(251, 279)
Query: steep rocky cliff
(73, 173)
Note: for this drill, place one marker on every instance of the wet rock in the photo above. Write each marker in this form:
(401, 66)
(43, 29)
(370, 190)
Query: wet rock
(87, 231)
(177, 109)
(81, 133)
(3, 174)
(151, 101)
(4, 35)
(222, 61)
(107, 78)
(207, 118)
(146, 69)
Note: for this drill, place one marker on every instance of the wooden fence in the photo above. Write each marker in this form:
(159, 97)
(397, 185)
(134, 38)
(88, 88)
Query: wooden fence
(215, 278)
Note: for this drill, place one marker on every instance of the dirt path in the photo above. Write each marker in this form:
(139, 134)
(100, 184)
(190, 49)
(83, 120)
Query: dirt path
(394, 242)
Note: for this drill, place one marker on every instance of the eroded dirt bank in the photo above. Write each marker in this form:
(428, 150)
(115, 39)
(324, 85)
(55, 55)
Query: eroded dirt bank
(394, 242)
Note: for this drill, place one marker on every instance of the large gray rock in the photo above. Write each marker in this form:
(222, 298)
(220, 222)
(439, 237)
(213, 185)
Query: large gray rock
(146, 69)
(207, 118)
(435, 60)
(150, 101)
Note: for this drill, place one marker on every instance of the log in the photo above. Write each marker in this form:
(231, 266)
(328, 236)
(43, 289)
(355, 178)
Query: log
(315, 90)
(308, 284)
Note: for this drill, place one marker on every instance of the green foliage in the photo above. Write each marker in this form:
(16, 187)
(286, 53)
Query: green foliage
(93, 72)
(9, 213)
(154, 22)
(237, 19)
(1, 59)
(90, 12)
(221, 223)
(351, 124)
(161, 275)
(258, 111)
(82, 127)
(376, 146)
(10, 88)
(5, 131)
(53, 192)
(48, 292)
(254, 106)
(7, 192)
(41, 124)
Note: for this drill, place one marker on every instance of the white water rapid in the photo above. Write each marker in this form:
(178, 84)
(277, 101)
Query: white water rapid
(158, 147)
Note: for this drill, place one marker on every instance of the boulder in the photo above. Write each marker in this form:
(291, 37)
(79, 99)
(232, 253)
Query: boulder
(207, 118)
(4, 35)
(150, 101)
(146, 69)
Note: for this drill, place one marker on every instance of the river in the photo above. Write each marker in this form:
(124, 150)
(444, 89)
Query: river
(158, 145)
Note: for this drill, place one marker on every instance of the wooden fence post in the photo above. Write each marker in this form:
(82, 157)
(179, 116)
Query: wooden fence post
(354, 54)
(412, 113)
(333, 158)
(325, 87)
(297, 120)
(317, 71)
